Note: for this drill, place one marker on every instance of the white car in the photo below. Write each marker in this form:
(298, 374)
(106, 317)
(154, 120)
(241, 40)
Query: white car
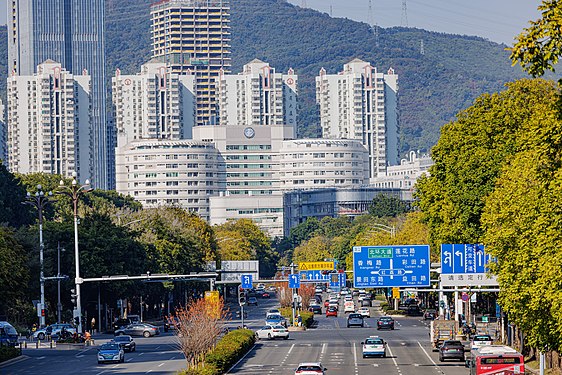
(348, 298)
(374, 345)
(365, 311)
(272, 332)
(349, 306)
(310, 368)
(480, 340)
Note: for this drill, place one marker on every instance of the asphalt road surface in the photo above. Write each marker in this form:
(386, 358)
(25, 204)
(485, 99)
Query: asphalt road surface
(339, 349)
(154, 355)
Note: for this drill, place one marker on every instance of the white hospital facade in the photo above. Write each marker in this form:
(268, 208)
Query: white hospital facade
(243, 166)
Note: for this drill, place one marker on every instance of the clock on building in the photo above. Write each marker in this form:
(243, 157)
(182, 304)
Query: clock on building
(249, 132)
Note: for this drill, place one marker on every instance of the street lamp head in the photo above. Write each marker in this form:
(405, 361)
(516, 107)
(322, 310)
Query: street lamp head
(87, 181)
(74, 174)
(61, 183)
(28, 194)
(74, 182)
(39, 187)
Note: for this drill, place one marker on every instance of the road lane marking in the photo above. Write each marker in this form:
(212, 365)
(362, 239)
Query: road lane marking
(99, 373)
(43, 357)
(141, 353)
(158, 347)
(129, 360)
(291, 349)
(161, 364)
(394, 360)
(355, 358)
(431, 359)
(79, 355)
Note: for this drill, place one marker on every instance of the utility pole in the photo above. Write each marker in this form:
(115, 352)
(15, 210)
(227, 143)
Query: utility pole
(404, 20)
(59, 304)
(39, 200)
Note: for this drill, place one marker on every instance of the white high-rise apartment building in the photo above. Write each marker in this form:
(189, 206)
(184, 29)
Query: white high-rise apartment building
(3, 146)
(71, 33)
(258, 97)
(155, 104)
(49, 122)
(193, 36)
(361, 103)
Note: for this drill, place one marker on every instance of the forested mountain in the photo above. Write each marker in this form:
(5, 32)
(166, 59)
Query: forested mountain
(434, 86)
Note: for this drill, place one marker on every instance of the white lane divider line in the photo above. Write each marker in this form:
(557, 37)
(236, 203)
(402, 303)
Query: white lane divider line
(161, 364)
(394, 360)
(129, 360)
(431, 359)
(355, 358)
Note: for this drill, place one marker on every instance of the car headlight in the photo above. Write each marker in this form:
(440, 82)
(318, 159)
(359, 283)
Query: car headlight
(116, 356)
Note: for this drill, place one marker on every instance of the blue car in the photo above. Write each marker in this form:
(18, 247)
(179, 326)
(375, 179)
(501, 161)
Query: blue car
(111, 352)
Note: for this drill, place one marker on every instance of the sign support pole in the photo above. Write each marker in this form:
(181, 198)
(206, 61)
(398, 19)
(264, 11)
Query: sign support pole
(293, 295)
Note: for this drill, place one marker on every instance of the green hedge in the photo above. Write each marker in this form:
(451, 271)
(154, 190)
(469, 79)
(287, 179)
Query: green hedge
(307, 316)
(8, 352)
(233, 346)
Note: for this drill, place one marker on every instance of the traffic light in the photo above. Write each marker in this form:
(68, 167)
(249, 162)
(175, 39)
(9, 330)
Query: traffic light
(42, 312)
(76, 321)
(73, 296)
(241, 297)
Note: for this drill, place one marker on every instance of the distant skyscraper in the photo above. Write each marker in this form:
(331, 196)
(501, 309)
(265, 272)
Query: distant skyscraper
(3, 132)
(258, 96)
(69, 32)
(49, 123)
(361, 103)
(154, 104)
(194, 36)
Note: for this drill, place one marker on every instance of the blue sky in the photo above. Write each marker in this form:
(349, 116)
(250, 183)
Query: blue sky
(497, 20)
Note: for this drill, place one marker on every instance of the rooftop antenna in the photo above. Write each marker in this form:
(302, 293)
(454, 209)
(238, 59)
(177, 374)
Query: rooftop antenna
(422, 49)
(303, 3)
(404, 20)
(331, 13)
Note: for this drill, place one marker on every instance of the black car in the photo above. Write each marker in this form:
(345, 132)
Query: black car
(252, 301)
(126, 342)
(414, 310)
(316, 309)
(121, 323)
(355, 320)
(385, 322)
(451, 349)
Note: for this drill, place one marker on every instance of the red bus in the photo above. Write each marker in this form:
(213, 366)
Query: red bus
(495, 360)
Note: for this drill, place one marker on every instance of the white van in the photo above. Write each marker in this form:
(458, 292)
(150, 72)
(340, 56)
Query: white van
(348, 306)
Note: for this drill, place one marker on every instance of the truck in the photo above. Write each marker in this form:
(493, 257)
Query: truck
(441, 330)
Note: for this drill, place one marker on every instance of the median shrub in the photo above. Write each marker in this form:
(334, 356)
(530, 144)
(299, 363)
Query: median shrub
(233, 346)
(8, 352)
(307, 316)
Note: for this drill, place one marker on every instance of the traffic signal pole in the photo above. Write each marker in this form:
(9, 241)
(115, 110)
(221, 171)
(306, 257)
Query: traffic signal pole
(293, 295)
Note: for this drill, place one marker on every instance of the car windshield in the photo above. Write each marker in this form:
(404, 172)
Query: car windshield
(355, 316)
(373, 341)
(482, 338)
(452, 343)
(109, 347)
(274, 317)
(385, 319)
(278, 327)
(309, 368)
(122, 339)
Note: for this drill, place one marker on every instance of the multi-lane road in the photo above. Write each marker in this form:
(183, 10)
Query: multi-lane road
(331, 342)
(339, 349)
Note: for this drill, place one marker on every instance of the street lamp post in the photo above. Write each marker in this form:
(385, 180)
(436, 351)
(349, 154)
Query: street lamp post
(39, 200)
(74, 191)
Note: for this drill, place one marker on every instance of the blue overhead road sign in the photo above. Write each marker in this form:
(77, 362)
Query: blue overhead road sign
(294, 281)
(463, 258)
(314, 275)
(391, 266)
(246, 281)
